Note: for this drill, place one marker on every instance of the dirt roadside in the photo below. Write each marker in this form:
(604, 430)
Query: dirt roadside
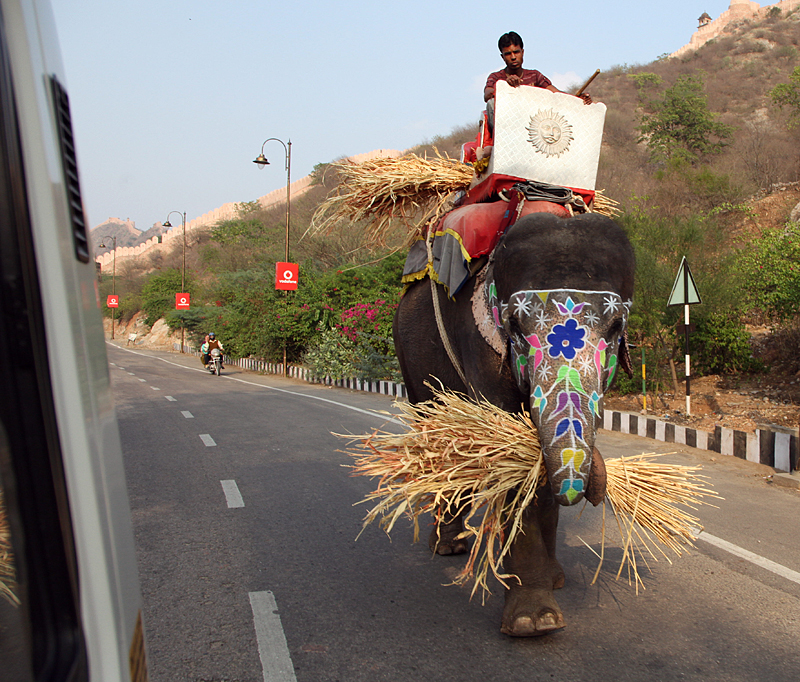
(744, 404)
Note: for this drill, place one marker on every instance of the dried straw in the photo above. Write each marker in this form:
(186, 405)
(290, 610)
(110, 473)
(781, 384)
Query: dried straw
(605, 205)
(468, 457)
(413, 190)
(7, 572)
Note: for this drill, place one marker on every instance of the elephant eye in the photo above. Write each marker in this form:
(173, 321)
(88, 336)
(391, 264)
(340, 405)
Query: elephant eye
(614, 330)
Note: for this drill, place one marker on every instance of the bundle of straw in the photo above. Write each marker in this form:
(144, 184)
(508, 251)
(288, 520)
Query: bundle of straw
(411, 189)
(468, 457)
(605, 205)
(7, 573)
(414, 190)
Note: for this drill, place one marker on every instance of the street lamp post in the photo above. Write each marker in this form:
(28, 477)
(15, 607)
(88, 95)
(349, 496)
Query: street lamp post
(113, 277)
(261, 161)
(183, 272)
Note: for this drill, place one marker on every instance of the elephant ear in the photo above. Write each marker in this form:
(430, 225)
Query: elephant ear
(625, 356)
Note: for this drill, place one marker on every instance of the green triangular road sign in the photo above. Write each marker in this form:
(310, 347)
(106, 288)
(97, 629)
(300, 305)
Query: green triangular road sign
(684, 291)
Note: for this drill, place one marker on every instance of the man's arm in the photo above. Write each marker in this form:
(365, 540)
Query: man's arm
(488, 89)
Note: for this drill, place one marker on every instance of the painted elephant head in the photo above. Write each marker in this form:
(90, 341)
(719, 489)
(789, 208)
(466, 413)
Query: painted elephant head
(565, 344)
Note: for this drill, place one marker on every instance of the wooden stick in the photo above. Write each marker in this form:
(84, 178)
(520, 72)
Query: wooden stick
(588, 83)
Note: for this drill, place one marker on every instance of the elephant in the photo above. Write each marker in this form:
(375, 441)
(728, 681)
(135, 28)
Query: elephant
(557, 294)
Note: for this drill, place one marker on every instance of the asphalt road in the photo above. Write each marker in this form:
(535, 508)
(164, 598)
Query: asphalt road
(272, 584)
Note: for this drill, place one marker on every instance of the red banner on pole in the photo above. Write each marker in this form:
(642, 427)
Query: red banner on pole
(113, 301)
(286, 276)
(181, 301)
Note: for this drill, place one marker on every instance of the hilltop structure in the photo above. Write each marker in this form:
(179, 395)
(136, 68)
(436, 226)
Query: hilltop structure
(739, 10)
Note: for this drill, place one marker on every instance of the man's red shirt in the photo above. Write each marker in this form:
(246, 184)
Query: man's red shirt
(529, 77)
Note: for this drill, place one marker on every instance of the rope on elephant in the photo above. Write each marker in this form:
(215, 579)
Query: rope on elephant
(411, 190)
(471, 458)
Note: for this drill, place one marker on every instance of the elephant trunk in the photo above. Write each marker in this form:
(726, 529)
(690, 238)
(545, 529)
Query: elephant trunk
(567, 437)
(564, 346)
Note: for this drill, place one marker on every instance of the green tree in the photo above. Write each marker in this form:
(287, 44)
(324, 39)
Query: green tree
(645, 81)
(772, 272)
(787, 95)
(158, 294)
(679, 125)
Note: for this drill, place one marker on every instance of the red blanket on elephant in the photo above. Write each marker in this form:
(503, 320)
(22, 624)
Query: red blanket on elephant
(466, 233)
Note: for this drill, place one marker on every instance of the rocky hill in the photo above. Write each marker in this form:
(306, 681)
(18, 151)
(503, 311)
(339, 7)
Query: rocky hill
(125, 232)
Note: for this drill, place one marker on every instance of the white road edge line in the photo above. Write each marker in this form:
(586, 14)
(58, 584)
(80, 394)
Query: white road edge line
(384, 417)
(276, 662)
(187, 414)
(232, 495)
(208, 441)
(753, 558)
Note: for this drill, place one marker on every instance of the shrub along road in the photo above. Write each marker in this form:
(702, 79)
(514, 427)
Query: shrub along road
(240, 496)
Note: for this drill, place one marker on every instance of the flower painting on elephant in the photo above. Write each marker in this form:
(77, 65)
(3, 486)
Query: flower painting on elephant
(560, 351)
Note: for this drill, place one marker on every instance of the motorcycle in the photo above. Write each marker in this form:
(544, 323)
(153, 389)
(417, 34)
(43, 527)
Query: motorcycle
(215, 361)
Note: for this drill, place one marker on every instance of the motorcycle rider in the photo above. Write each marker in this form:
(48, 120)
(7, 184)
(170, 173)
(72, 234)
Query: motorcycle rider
(210, 344)
(214, 342)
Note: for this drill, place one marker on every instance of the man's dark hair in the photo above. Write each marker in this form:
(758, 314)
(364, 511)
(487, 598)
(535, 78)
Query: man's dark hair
(509, 39)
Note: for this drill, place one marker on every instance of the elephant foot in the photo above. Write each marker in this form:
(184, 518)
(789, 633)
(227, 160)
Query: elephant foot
(442, 540)
(530, 613)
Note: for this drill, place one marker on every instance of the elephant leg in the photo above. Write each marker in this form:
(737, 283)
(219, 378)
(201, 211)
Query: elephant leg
(530, 607)
(442, 539)
(547, 520)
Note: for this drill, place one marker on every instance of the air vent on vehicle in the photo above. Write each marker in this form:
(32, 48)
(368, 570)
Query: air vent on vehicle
(69, 161)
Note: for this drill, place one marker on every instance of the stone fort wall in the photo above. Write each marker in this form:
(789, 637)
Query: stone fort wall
(224, 212)
(738, 10)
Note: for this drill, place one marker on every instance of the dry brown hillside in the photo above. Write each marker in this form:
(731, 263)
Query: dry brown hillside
(738, 70)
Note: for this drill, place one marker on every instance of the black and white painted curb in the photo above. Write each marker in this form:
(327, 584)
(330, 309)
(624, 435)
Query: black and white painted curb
(774, 446)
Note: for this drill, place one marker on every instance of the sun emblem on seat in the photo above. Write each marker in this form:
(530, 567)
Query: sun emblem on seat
(550, 133)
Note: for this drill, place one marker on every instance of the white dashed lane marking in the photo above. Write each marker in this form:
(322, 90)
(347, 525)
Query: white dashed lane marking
(142, 379)
(232, 495)
(171, 399)
(272, 649)
(155, 388)
(208, 441)
(187, 414)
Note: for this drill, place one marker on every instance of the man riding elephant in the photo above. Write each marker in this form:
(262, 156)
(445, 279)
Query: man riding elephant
(512, 51)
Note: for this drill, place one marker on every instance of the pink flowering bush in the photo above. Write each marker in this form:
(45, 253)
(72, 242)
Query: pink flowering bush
(368, 320)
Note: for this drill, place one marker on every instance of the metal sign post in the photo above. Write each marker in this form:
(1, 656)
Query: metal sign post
(684, 292)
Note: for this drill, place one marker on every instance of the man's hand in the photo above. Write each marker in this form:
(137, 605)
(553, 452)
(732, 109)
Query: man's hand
(586, 97)
(514, 81)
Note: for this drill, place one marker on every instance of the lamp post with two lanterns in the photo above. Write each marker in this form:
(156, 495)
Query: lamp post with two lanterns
(167, 224)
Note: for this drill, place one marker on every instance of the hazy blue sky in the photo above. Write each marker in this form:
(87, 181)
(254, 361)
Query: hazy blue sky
(172, 99)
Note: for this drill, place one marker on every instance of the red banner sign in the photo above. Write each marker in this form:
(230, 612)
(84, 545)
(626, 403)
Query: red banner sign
(113, 301)
(181, 301)
(286, 276)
